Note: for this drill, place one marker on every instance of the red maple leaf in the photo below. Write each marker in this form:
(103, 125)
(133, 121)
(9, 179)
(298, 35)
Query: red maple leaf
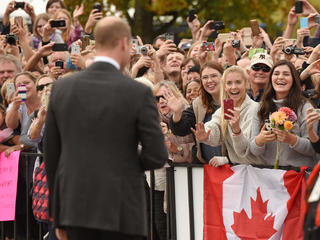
(257, 227)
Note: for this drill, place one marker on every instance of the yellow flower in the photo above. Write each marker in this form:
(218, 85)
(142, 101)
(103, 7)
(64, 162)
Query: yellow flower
(288, 125)
(278, 117)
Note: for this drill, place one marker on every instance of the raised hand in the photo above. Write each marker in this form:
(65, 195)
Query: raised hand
(200, 132)
(78, 11)
(265, 136)
(234, 120)
(175, 104)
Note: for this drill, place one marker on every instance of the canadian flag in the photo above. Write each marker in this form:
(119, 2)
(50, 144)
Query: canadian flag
(244, 202)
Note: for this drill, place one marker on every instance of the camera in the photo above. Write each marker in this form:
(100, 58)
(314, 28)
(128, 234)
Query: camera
(293, 50)
(169, 36)
(60, 64)
(58, 23)
(217, 25)
(97, 6)
(236, 43)
(11, 39)
(19, 5)
(143, 50)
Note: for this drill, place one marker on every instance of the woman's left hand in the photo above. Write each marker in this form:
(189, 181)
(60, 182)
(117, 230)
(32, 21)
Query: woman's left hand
(234, 120)
(285, 136)
(78, 11)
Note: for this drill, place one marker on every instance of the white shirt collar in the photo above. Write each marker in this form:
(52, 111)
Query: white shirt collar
(108, 60)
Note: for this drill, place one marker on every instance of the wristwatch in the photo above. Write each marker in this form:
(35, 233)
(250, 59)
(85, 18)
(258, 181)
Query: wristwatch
(21, 146)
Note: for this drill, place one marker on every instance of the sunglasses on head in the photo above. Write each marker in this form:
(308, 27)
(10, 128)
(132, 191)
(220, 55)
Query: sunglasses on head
(263, 68)
(158, 97)
(42, 86)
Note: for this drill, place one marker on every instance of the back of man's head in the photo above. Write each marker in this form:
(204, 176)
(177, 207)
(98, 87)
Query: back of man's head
(109, 31)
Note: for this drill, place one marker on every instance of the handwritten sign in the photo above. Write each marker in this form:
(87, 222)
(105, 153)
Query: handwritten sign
(8, 185)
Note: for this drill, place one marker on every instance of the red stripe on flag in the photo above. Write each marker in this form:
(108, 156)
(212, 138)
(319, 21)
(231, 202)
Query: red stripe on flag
(296, 186)
(212, 207)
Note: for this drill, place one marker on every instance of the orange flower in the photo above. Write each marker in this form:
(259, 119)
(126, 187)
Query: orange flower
(288, 125)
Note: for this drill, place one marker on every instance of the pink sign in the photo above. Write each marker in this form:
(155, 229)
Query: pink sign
(8, 185)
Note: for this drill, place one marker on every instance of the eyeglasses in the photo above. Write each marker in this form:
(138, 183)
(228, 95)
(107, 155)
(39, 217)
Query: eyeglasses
(206, 77)
(158, 97)
(42, 86)
(263, 68)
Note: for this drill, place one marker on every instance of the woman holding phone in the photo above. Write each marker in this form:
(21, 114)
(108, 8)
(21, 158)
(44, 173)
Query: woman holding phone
(283, 90)
(231, 124)
(201, 110)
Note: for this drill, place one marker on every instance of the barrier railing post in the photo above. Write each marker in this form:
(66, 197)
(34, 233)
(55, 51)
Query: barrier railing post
(152, 208)
(190, 198)
(171, 203)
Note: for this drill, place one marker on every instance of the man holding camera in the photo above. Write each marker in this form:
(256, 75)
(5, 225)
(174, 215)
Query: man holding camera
(95, 121)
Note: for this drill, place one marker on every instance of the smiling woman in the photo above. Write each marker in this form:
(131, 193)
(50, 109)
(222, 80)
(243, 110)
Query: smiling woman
(283, 90)
(231, 129)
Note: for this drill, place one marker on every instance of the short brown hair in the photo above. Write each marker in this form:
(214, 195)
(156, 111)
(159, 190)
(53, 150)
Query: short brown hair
(108, 33)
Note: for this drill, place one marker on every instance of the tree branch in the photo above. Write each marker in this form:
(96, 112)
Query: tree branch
(165, 26)
(130, 20)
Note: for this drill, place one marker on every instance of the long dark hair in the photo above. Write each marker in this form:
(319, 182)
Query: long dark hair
(206, 98)
(294, 100)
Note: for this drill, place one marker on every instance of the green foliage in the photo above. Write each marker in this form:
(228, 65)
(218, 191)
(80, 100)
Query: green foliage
(235, 13)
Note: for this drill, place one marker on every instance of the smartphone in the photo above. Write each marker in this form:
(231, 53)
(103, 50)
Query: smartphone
(60, 47)
(268, 124)
(317, 19)
(10, 89)
(85, 42)
(75, 49)
(255, 27)
(60, 64)
(299, 7)
(227, 105)
(45, 97)
(22, 92)
(217, 25)
(224, 37)
(58, 23)
(169, 36)
(19, 5)
(97, 6)
(192, 14)
(253, 51)
(304, 22)
(208, 46)
(18, 20)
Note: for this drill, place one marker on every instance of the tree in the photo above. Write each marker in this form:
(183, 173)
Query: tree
(147, 22)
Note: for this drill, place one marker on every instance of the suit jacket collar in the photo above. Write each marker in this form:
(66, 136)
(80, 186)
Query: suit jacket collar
(102, 66)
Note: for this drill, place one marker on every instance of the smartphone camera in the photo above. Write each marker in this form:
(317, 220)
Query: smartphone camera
(169, 36)
(299, 7)
(192, 14)
(208, 46)
(11, 39)
(236, 43)
(58, 23)
(19, 5)
(97, 6)
(60, 64)
(217, 25)
(268, 124)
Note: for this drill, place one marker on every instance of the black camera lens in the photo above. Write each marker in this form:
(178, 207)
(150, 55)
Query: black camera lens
(60, 64)
(144, 50)
(11, 39)
(236, 43)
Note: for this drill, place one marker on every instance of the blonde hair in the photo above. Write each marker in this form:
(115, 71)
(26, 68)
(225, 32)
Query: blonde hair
(209, 57)
(192, 47)
(171, 86)
(224, 95)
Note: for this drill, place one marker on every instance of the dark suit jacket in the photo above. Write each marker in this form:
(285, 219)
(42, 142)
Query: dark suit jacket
(95, 120)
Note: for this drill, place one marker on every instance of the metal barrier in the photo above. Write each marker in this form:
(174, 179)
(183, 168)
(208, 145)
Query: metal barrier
(5, 225)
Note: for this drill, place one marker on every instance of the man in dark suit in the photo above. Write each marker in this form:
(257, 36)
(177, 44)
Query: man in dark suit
(95, 121)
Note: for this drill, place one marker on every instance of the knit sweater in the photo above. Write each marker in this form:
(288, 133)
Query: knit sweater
(300, 154)
(236, 145)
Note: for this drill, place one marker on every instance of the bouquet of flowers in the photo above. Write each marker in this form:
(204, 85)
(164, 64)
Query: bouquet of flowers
(283, 119)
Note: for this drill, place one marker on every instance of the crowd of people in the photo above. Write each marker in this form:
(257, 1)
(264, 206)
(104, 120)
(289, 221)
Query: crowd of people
(193, 81)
